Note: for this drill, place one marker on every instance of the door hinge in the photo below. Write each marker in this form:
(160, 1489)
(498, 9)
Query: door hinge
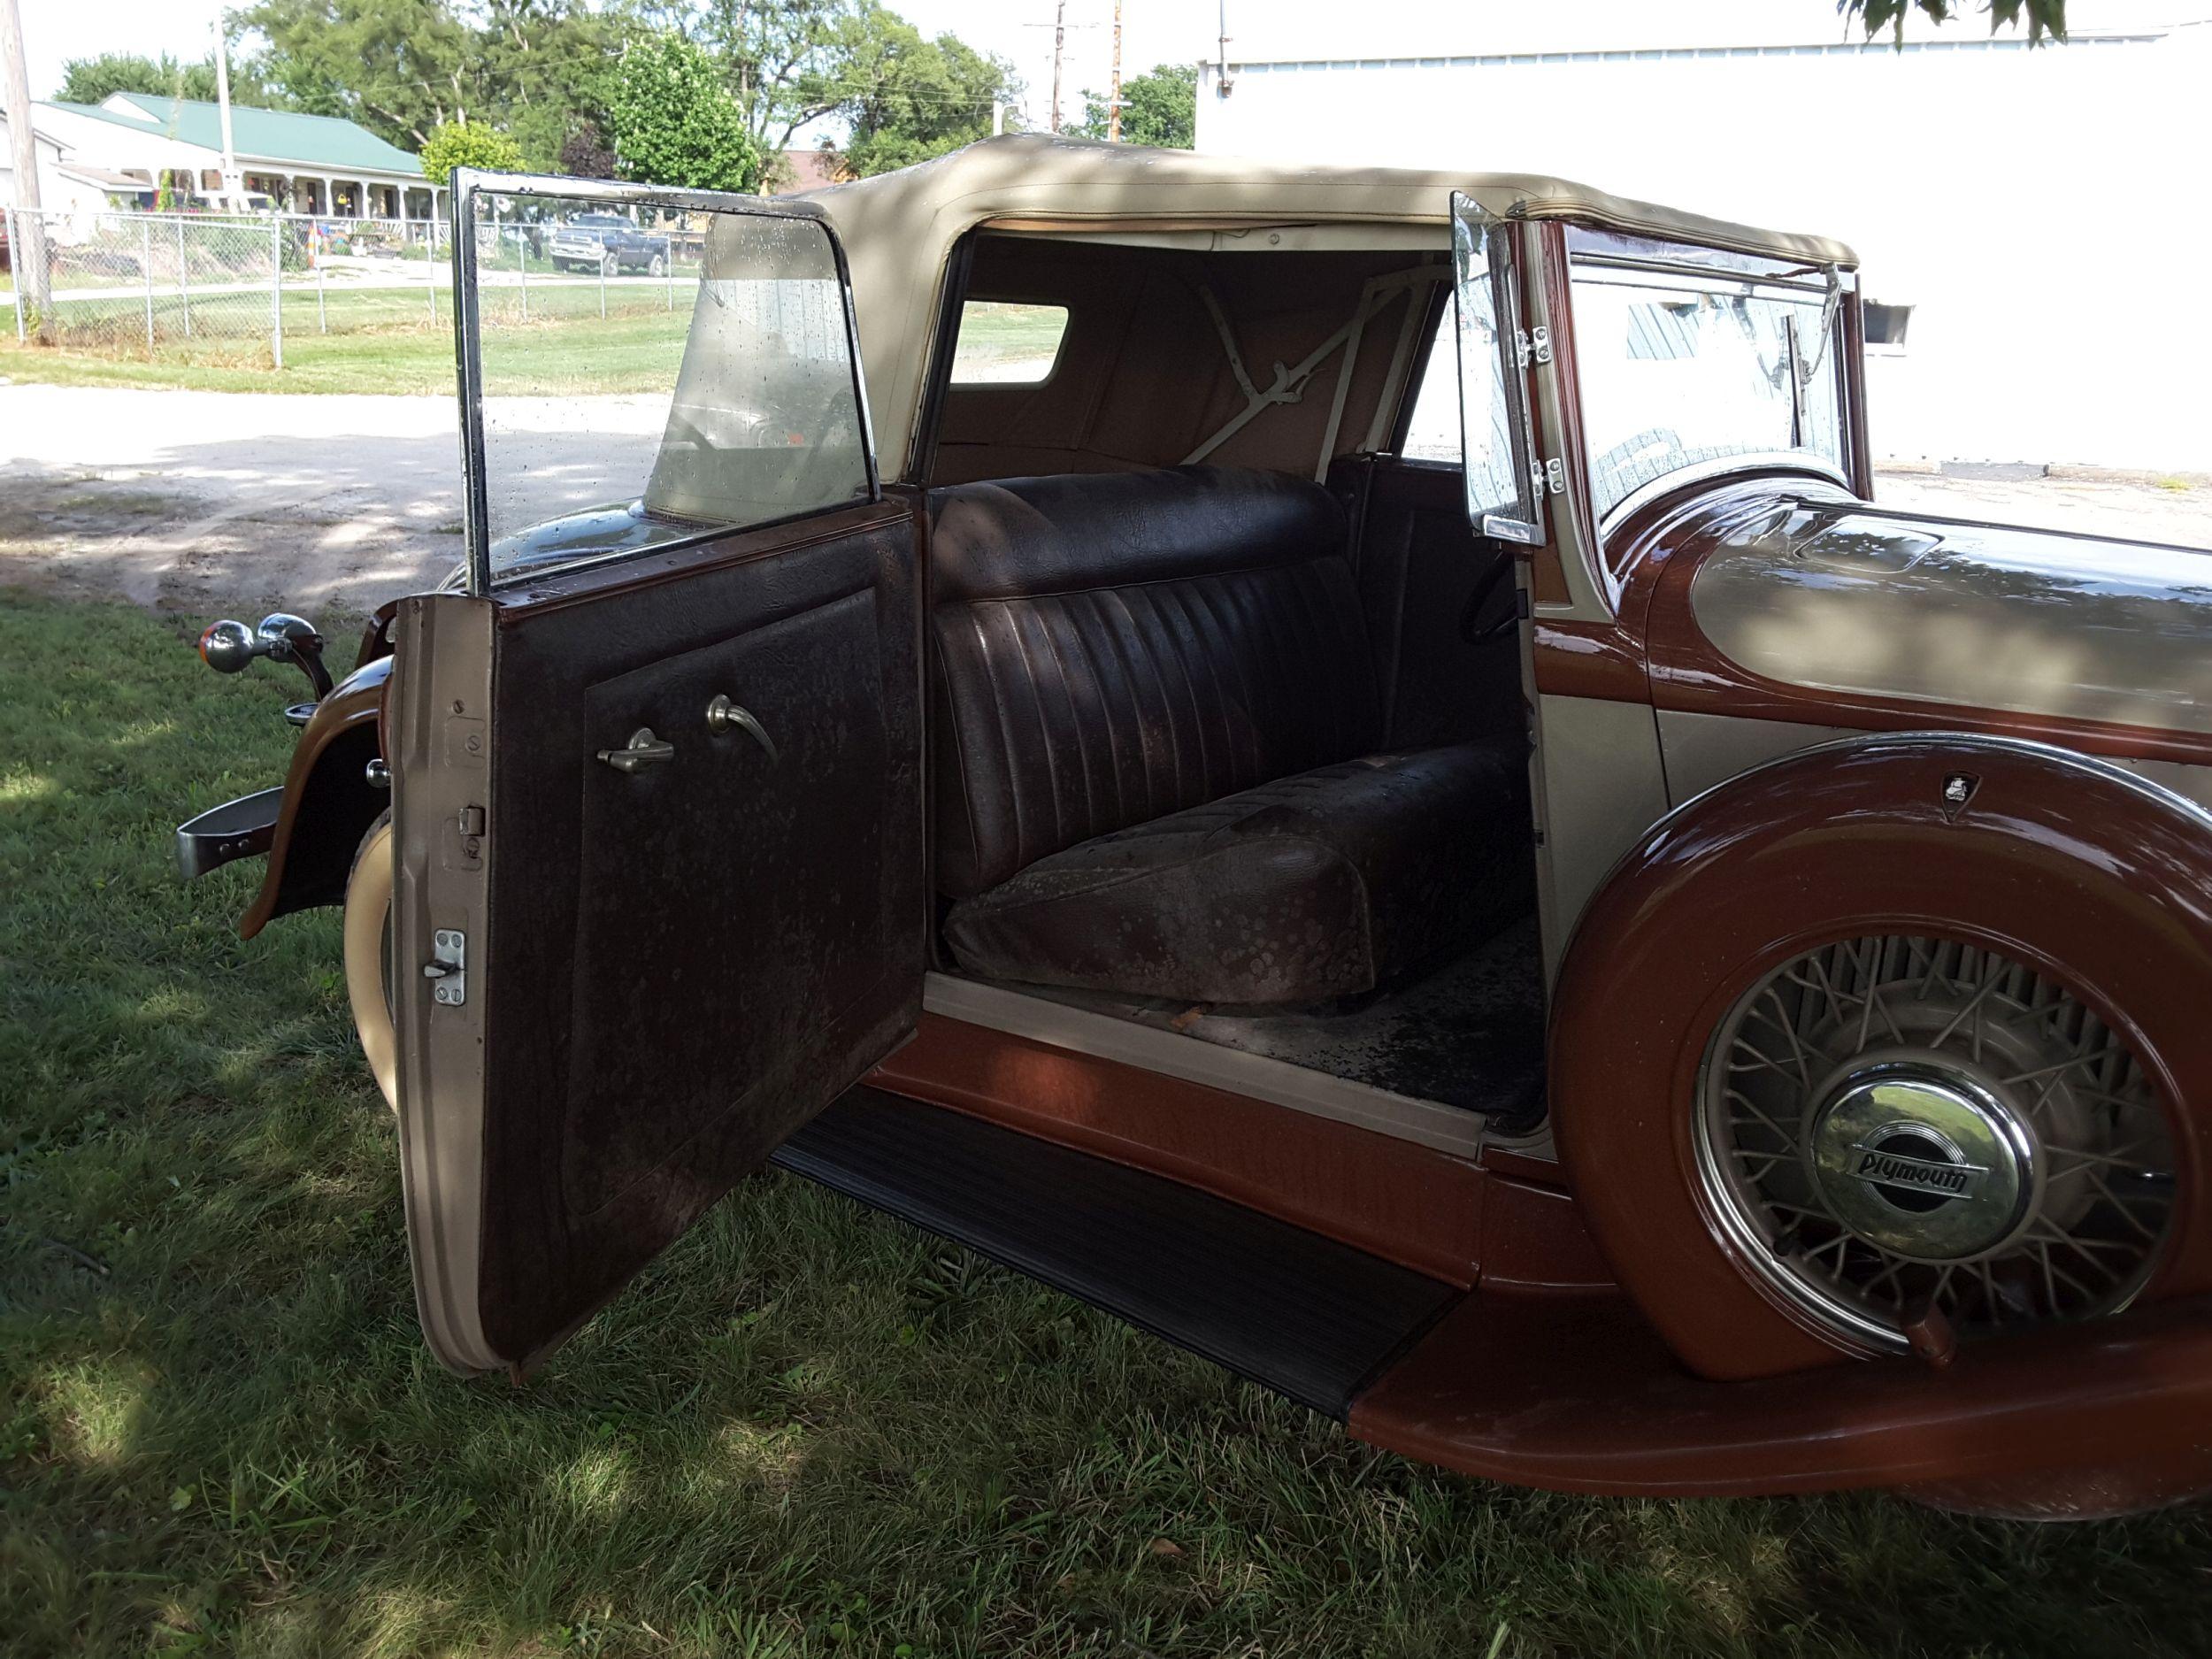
(1549, 477)
(448, 967)
(1532, 345)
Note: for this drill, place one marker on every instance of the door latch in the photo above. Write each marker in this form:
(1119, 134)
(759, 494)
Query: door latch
(448, 967)
(642, 750)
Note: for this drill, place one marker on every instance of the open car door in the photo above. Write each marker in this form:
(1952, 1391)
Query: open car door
(657, 766)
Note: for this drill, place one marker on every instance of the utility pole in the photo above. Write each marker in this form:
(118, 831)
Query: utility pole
(28, 248)
(1113, 98)
(232, 185)
(1059, 40)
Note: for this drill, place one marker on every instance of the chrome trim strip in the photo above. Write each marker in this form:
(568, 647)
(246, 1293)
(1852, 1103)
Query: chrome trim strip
(1449, 1129)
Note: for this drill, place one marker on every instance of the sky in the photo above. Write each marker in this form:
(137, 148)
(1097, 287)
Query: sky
(1162, 30)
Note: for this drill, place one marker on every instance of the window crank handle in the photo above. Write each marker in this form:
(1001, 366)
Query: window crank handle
(724, 716)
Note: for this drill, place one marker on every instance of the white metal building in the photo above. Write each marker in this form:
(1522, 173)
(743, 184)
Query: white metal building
(2034, 221)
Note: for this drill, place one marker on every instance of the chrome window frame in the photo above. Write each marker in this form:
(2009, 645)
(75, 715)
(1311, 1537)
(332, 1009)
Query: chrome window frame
(465, 184)
(1484, 248)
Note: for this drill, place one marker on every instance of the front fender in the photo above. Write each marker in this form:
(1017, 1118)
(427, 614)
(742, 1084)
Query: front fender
(2072, 865)
(328, 800)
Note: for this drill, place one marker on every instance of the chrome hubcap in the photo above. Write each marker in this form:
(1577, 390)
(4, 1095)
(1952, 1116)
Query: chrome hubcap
(1917, 1159)
(1887, 1125)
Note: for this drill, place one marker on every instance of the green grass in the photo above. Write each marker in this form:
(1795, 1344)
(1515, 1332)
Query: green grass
(379, 341)
(807, 1430)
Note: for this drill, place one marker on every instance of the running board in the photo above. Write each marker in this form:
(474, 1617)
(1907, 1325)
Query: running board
(1310, 1318)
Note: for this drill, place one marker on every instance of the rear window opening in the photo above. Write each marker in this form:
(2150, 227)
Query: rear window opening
(1004, 342)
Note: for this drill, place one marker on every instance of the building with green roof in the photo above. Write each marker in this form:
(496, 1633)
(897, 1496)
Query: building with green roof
(308, 164)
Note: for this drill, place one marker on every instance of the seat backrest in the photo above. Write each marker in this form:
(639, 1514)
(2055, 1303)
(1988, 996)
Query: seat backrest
(1113, 648)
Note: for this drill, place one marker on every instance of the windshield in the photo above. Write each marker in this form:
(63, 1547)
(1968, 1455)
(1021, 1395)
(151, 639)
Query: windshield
(1679, 371)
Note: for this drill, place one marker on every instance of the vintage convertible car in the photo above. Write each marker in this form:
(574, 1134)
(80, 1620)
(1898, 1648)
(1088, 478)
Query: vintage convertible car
(1375, 796)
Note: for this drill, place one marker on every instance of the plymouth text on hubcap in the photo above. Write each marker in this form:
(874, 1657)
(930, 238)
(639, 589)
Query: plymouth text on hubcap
(1888, 1123)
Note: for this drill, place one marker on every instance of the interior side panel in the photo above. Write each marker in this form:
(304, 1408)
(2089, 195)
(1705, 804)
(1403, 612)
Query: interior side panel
(1425, 579)
(637, 1083)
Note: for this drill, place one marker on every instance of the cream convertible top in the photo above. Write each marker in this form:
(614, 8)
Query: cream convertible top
(899, 228)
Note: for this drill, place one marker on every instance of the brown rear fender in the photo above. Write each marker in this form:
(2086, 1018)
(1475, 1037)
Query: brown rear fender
(329, 802)
(2069, 865)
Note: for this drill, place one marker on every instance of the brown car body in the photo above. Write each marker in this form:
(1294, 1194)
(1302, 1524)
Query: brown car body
(1769, 716)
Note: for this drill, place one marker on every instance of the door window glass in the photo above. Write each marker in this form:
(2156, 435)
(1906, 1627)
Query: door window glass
(1680, 372)
(1003, 342)
(652, 373)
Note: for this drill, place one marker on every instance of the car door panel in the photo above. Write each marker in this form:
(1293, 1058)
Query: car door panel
(659, 891)
(747, 932)
(687, 960)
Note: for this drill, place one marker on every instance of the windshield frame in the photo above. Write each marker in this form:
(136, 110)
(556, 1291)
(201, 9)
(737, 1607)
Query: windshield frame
(1633, 260)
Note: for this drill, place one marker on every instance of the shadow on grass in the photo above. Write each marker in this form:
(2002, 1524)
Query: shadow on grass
(806, 1430)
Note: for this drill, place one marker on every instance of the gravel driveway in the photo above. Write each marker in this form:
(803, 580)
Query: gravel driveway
(217, 502)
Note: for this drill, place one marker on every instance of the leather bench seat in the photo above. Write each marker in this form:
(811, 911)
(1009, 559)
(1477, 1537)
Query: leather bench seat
(1156, 716)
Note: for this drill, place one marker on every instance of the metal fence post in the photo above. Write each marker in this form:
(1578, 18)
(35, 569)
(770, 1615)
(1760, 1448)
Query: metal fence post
(668, 258)
(322, 315)
(184, 290)
(146, 269)
(430, 266)
(602, 279)
(276, 289)
(15, 274)
(522, 264)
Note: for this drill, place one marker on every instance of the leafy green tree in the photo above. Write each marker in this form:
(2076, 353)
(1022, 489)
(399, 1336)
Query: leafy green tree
(402, 67)
(399, 67)
(673, 120)
(906, 98)
(91, 79)
(469, 144)
(2046, 18)
(1160, 108)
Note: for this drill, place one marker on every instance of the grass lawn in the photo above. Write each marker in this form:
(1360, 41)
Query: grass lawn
(808, 1430)
(382, 341)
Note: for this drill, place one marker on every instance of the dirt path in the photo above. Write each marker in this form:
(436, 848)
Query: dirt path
(213, 502)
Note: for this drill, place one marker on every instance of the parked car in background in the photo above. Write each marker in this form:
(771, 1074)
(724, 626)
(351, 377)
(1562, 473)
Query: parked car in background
(608, 242)
(1603, 958)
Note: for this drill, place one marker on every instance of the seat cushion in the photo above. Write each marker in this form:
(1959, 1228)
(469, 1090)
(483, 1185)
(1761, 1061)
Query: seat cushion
(1319, 886)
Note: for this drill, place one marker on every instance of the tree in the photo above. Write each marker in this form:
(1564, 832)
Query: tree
(91, 79)
(402, 68)
(468, 144)
(2045, 18)
(673, 122)
(1160, 108)
(906, 98)
(585, 154)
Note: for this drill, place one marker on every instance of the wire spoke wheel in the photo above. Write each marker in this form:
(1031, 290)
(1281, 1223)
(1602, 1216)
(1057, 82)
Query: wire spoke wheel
(1888, 1125)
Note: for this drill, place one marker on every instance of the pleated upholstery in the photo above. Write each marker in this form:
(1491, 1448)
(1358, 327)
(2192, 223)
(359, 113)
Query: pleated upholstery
(1110, 650)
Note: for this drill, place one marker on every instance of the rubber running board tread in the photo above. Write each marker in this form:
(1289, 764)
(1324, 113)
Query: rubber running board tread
(1305, 1315)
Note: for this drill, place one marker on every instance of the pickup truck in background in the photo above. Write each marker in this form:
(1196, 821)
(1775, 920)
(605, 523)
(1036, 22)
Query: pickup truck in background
(608, 242)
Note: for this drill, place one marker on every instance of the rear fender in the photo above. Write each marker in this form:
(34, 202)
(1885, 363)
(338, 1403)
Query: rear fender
(328, 800)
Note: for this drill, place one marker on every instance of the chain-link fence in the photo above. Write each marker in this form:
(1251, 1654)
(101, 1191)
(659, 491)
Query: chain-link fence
(237, 289)
(210, 286)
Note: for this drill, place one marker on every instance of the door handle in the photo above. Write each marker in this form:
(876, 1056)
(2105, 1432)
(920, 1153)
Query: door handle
(642, 750)
(724, 715)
